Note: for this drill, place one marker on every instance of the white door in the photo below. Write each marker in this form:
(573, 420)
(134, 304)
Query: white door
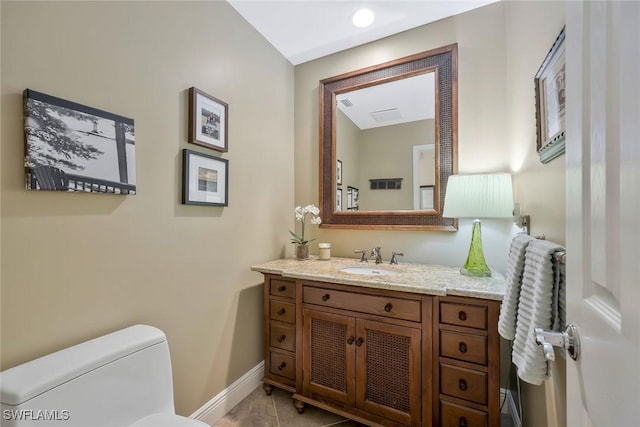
(603, 211)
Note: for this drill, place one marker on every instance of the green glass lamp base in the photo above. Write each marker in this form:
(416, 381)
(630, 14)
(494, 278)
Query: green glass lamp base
(476, 265)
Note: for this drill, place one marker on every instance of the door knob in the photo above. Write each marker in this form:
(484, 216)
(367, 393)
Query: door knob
(569, 340)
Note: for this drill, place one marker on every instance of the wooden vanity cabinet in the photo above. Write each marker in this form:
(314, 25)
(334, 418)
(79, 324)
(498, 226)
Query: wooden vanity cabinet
(467, 366)
(381, 357)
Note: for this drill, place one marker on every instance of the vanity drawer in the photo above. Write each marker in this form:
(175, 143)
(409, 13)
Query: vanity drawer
(381, 305)
(470, 348)
(283, 365)
(283, 288)
(283, 336)
(463, 383)
(458, 416)
(283, 311)
(471, 316)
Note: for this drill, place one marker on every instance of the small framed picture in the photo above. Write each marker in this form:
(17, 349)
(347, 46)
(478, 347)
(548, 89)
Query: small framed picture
(339, 200)
(551, 102)
(208, 121)
(205, 179)
(339, 172)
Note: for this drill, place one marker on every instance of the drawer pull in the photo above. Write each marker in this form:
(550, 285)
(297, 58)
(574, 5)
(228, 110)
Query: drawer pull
(463, 422)
(359, 342)
(282, 338)
(326, 297)
(281, 311)
(462, 385)
(282, 288)
(462, 316)
(350, 340)
(462, 347)
(388, 307)
(281, 366)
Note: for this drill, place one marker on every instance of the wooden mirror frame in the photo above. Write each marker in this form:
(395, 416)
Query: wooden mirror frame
(444, 62)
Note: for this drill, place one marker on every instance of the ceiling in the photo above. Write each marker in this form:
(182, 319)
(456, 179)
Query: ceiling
(304, 30)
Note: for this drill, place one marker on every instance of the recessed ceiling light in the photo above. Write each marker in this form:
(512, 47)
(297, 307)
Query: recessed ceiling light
(363, 18)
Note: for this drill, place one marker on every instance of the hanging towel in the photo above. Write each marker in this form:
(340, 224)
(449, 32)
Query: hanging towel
(539, 307)
(515, 268)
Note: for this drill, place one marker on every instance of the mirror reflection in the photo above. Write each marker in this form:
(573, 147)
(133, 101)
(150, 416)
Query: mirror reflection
(388, 143)
(385, 145)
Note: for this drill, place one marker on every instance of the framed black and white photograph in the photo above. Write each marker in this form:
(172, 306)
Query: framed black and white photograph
(205, 179)
(76, 148)
(353, 199)
(208, 121)
(339, 172)
(339, 200)
(551, 102)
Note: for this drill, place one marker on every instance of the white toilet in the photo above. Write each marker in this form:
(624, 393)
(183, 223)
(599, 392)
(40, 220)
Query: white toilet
(122, 379)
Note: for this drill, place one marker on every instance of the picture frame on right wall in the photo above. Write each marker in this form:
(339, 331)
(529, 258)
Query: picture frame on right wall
(208, 121)
(550, 97)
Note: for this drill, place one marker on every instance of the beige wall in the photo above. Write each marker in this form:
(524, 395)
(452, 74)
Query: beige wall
(75, 266)
(500, 48)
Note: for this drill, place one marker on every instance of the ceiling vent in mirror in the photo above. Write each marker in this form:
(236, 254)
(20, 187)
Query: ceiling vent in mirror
(386, 115)
(346, 102)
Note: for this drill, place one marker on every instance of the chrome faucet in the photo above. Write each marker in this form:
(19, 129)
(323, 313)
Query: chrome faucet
(364, 255)
(375, 252)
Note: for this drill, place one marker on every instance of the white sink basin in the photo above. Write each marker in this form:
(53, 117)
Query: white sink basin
(368, 271)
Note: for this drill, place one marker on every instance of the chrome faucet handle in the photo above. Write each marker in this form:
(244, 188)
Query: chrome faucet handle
(394, 260)
(364, 255)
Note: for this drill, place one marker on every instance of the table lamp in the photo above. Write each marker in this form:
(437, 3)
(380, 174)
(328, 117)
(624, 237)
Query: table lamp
(478, 196)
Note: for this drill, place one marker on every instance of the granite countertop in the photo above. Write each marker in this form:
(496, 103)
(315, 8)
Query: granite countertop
(416, 278)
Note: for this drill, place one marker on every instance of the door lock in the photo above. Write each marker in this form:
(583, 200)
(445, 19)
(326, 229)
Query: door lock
(568, 340)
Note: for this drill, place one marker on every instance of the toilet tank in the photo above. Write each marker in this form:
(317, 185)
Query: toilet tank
(110, 381)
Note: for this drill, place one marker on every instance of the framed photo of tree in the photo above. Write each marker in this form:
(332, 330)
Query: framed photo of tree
(208, 120)
(73, 147)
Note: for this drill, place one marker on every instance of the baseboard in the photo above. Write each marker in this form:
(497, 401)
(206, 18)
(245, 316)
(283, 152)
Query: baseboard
(510, 407)
(212, 411)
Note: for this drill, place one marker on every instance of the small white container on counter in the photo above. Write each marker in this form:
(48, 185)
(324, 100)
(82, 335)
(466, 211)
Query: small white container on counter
(324, 251)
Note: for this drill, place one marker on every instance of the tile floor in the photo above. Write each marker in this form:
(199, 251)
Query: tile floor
(260, 410)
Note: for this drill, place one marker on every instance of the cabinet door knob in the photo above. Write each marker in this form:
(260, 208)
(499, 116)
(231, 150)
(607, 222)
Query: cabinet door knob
(388, 307)
(281, 311)
(462, 316)
(281, 366)
(282, 288)
(326, 297)
(463, 422)
(462, 347)
(359, 342)
(282, 338)
(462, 385)
(350, 340)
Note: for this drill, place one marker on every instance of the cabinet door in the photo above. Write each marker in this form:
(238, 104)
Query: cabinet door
(388, 371)
(328, 355)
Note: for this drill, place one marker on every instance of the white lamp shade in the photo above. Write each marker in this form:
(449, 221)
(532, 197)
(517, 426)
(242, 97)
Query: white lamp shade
(479, 196)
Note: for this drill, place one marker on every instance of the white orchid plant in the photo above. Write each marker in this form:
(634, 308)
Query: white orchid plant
(301, 215)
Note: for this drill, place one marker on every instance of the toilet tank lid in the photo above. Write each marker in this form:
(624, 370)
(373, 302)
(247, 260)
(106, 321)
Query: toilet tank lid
(24, 382)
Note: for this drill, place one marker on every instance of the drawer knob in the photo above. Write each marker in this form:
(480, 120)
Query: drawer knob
(359, 342)
(463, 422)
(282, 288)
(388, 307)
(282, 338)
(462, 316)
(281, 311)
(326, 297)
(462, 347)
(462, 385)
(350, 340)
(281, 366)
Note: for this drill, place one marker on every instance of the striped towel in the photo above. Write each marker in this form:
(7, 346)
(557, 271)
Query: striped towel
(539, 307)
(515, 268)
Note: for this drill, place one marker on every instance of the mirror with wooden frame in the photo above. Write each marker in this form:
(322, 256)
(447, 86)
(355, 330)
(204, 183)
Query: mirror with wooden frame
(388, 137)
